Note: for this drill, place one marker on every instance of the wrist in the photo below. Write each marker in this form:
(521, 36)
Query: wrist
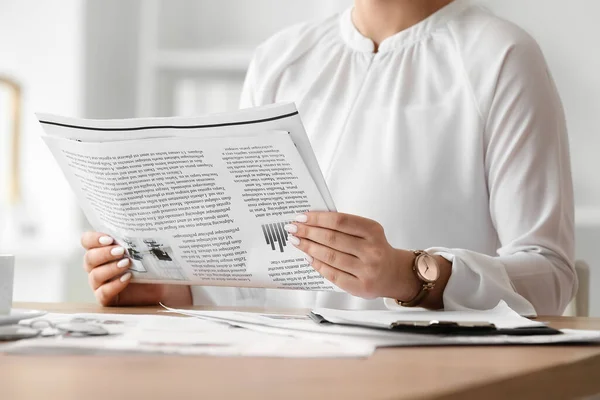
(407, 285)
(413, 283)
(410, 285)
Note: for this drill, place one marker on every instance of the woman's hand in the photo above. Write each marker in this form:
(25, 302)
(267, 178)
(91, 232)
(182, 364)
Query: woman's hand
(353, 253)
(106, 265)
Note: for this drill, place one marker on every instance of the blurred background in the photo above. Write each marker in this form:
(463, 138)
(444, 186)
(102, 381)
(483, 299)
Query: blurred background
(128, 58)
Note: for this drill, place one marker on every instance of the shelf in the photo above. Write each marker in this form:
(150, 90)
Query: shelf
(228, 60)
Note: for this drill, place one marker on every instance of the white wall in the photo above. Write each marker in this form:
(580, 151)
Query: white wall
(569, 35)
(110, 53)
(40, 45)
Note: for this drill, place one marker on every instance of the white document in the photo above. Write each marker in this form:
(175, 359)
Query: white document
(502, 316)
(178, 335)
(199, 201)
(304, 327)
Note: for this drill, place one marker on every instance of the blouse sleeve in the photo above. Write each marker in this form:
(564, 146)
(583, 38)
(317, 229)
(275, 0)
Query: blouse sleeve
(530, 197)
(248, 96)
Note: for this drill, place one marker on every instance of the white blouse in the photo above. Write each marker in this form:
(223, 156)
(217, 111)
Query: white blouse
(452, 136)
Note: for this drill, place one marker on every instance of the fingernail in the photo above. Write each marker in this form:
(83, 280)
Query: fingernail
(104, 240)
(117, 251)
(301, 218)
(126, 277)
(309, 259)
(291, 228)
(294, 240)
(123, 263)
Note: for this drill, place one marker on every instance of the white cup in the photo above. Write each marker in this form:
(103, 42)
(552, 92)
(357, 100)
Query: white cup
(7, 270)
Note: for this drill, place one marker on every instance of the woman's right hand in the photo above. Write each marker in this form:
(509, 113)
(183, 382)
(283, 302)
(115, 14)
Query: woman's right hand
(106, 265)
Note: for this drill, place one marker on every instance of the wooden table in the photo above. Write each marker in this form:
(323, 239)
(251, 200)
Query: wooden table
(514, 372)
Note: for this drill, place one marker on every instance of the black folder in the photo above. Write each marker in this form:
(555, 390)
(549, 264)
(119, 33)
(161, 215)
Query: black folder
(446, 327)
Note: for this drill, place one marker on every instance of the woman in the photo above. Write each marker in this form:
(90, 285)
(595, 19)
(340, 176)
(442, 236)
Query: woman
(435, 123)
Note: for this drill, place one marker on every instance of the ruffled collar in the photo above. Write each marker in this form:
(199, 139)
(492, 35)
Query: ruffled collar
(358, 42)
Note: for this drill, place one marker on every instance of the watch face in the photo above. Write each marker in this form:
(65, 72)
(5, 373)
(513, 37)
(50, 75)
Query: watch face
(428, 268)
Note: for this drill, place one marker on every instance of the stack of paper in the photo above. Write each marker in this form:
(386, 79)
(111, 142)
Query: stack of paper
(304, 327)
(177, 335)
(218, 333)
(502, 316)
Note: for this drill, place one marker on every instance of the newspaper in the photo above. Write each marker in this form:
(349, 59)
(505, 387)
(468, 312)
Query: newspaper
(200, 201)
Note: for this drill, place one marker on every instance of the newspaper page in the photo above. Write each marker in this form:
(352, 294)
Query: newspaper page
(249, 121)
(205, 209)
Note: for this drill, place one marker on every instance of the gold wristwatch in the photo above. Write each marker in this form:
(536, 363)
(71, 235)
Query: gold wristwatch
(427, 270)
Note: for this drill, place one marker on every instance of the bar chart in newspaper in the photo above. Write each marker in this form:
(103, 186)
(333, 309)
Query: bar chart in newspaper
(275, 236)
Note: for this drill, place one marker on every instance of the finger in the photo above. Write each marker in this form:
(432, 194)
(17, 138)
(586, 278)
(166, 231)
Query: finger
(107, 293)
(342, 261)
(100, 256)
(100, 275)
(92, 240)
(341, 279)
(333, 239)
(346, 223)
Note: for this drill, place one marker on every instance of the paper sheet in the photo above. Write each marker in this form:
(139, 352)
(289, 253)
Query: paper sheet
(199, 201)
(188, 211)
(182, 336)
(502, 316)
(304, 327)
(246, 122)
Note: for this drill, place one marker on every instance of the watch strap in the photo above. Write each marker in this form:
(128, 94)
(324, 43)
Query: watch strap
(415, 301)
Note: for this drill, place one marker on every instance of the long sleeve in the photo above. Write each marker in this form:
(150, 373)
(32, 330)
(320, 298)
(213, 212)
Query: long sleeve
(530, 196)
(248, 96)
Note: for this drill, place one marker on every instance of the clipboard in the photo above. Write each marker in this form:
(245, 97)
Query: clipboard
(435, 327)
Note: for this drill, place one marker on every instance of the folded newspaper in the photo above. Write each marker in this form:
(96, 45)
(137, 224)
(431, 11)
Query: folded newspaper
(199, 201)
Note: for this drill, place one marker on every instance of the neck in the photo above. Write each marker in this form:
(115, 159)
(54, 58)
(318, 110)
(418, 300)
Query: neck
(379, 19)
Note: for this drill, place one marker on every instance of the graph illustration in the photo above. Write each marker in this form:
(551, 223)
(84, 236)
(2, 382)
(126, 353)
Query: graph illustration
(275, 234)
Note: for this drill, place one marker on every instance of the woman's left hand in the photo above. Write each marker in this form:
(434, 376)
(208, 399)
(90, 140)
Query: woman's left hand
(353, 253)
